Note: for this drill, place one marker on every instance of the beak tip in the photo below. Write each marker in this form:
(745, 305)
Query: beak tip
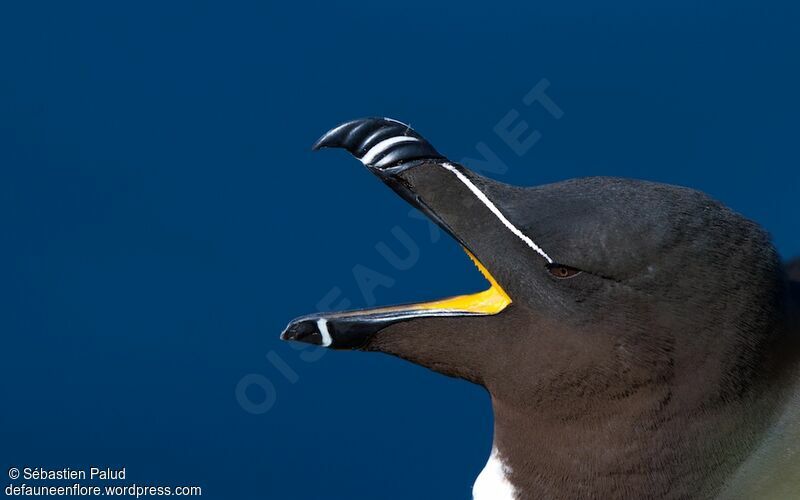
(305, 331)
(337, 137)
(319, 144)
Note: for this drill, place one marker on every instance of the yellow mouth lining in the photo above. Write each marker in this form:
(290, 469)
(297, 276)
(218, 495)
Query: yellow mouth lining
(484, 303)
(490, 301)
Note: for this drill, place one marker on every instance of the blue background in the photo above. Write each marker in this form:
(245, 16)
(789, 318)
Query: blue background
(162, 216)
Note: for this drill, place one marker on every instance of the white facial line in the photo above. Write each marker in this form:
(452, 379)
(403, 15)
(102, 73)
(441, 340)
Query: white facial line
(322, 326)
(382, 146)
(491, 206)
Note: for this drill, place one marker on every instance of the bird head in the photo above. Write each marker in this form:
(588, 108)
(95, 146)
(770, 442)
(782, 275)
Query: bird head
(595, 286)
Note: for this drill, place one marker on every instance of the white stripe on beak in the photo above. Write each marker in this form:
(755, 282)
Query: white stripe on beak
(382, 146)
(322, 325)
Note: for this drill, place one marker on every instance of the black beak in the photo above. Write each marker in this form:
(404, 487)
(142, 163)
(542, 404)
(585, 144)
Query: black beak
(352, 330)
(382, 144)
(389, 148)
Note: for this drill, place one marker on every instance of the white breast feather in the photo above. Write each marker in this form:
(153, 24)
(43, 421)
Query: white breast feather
(492, 483)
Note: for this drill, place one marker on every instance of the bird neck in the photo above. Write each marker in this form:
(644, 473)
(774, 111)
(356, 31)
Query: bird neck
(649, 444)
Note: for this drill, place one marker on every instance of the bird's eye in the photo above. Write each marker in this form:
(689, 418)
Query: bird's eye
(562, 272)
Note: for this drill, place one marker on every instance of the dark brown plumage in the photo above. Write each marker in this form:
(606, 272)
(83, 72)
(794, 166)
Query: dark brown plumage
(655, 366)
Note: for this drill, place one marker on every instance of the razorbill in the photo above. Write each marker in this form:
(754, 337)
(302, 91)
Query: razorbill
(638, 339)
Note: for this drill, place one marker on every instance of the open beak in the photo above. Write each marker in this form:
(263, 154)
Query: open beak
(352, 329)
(391, 150)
